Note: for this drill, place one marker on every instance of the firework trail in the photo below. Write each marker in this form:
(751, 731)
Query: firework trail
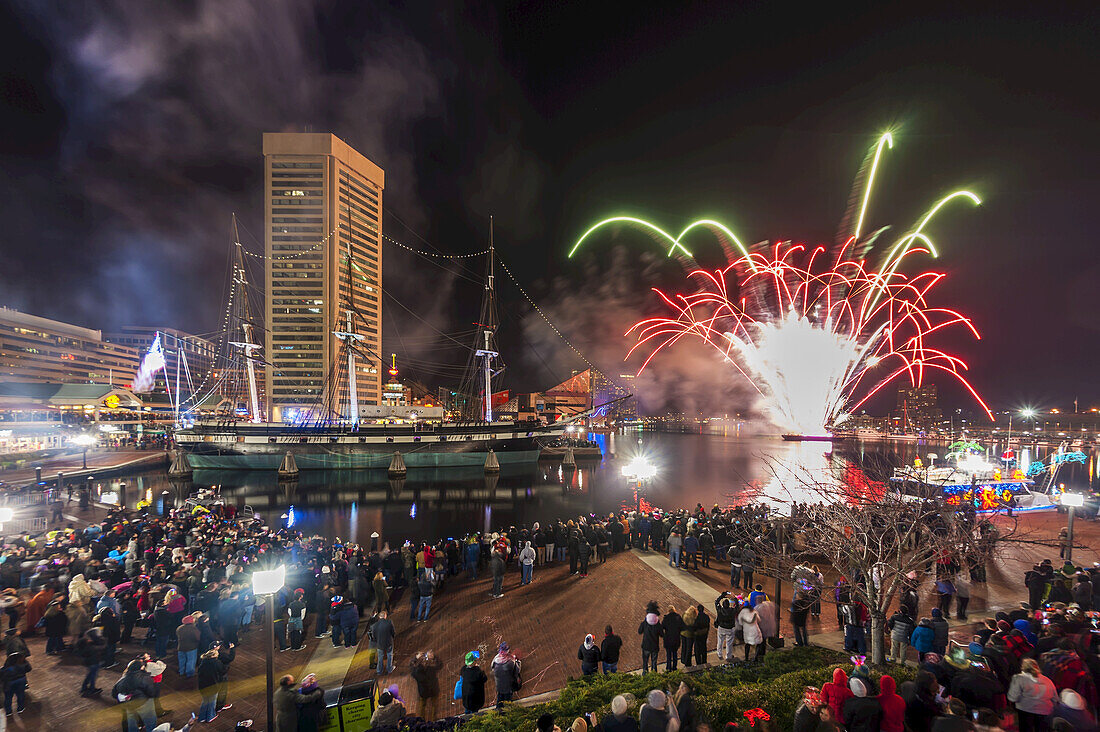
(816, 332)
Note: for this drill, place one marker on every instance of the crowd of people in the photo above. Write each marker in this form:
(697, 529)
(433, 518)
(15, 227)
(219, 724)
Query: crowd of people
(175, 591)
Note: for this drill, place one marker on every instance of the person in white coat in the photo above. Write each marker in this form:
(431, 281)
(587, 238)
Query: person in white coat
(749, 622)
(1034, 696)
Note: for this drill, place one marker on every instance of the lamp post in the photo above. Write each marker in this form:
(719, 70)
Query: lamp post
(266, 584)
(84, 441)
(1071, 501)
(638, 471)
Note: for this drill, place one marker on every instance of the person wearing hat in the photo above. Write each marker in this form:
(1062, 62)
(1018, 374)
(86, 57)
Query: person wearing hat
(589, 655)
(389, 712)
(976, 684)
(545, 723)
(1072, 708)
(296, 617)
(288, 701)
(940, 632)
(472, 681)
(506, 673)
(188, 637)
(862, 711)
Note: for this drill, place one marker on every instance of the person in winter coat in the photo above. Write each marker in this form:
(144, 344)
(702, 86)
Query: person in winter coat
(506, 674)
(1072, 708)
(288, 702)
(56, 624)
(702, 631)
(526, 563)
(187, 651)
(725, 618)
(384, 634)
(651, 630)
(861, 712)
(1034, 696)
(671, 625)
(13, 674)
(424, 670)
(496, 568)
(834, 693)
(135, 692)
(941, 630)
(210, 674)
(345, 616)
(389, 712)
(687, 635)
(473, 681)
(749, 623)
(609, 651)
(893, 706)
(312, 715)
(921, 705)
(589, 656)
(800, 613)
(901, 626)
(923, 638)
(90, 648)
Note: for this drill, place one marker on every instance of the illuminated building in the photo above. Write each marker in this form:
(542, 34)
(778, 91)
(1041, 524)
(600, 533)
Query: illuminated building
(198, 351)
(323, 200)
(34, 349)
(393, 391)
(917, 407)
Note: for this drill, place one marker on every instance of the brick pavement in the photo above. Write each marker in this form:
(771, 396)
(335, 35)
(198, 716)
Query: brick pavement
(544, 623)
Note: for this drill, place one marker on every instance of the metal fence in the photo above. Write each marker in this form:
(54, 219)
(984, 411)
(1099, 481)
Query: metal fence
(34, 525)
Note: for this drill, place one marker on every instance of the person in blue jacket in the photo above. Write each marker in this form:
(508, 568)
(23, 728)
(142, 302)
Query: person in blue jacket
(924, 638)
(345, 615)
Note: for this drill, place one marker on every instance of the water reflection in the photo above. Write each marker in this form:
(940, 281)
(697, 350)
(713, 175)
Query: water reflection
(432, 503)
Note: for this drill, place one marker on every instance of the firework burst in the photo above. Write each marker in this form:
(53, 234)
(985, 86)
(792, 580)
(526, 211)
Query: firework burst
(816, 332)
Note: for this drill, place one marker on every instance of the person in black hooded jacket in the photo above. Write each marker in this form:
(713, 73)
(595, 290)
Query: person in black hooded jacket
(650, 629)
(671, 626)
(702, 631)
(589, 656)
(609, 651)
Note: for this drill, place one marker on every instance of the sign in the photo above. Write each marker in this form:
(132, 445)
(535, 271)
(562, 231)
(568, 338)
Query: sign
(111, 402)
(1008, 455)
(355, 716)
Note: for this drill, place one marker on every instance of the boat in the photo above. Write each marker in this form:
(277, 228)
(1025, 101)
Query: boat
(365, 436)
(968, 478)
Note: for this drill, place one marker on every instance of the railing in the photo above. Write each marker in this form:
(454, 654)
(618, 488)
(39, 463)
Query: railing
(25, 498)
(35, 525)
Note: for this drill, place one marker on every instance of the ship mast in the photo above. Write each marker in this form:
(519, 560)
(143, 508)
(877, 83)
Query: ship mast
(249, 345)
(347, 336)
(487, 354)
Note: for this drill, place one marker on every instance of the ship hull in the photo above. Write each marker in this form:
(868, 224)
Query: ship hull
(263, 447)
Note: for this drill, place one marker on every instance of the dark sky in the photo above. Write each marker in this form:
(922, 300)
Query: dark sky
(131, 132)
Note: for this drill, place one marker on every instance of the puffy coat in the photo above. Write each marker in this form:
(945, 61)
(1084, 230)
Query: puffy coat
(893, 706)
(836, 692)
(589, 656)
(345, 615)
(923, 638)
(941, 629)
(901, 627)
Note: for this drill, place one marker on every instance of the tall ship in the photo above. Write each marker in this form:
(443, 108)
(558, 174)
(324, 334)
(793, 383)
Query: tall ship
(341, 433)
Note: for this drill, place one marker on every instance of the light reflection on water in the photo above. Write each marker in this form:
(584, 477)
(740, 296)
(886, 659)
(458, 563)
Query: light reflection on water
(439, 503)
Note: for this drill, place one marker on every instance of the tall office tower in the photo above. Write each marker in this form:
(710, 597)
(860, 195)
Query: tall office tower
(323, 205)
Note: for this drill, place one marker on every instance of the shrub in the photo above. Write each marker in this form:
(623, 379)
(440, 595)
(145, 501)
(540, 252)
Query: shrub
(721, 694)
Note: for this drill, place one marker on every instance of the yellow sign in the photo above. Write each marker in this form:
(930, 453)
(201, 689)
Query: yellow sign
(111, 402)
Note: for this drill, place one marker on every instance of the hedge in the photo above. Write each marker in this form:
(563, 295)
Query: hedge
(721, 694)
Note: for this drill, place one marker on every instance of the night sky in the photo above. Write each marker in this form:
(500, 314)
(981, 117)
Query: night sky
(132, 131)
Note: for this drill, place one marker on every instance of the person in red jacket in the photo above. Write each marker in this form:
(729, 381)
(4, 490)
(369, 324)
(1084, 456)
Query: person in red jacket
(893, 706)
(836, 692)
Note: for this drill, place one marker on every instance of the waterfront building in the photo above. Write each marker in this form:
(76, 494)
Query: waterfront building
(41, 350)
(199, 352)
(322, 204)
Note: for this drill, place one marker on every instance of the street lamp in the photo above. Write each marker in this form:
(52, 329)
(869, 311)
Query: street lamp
(265, 584)
(638, 471)
(84, 441)
(1072, 501)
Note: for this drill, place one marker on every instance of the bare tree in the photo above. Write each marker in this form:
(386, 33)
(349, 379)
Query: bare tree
(884, 540)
